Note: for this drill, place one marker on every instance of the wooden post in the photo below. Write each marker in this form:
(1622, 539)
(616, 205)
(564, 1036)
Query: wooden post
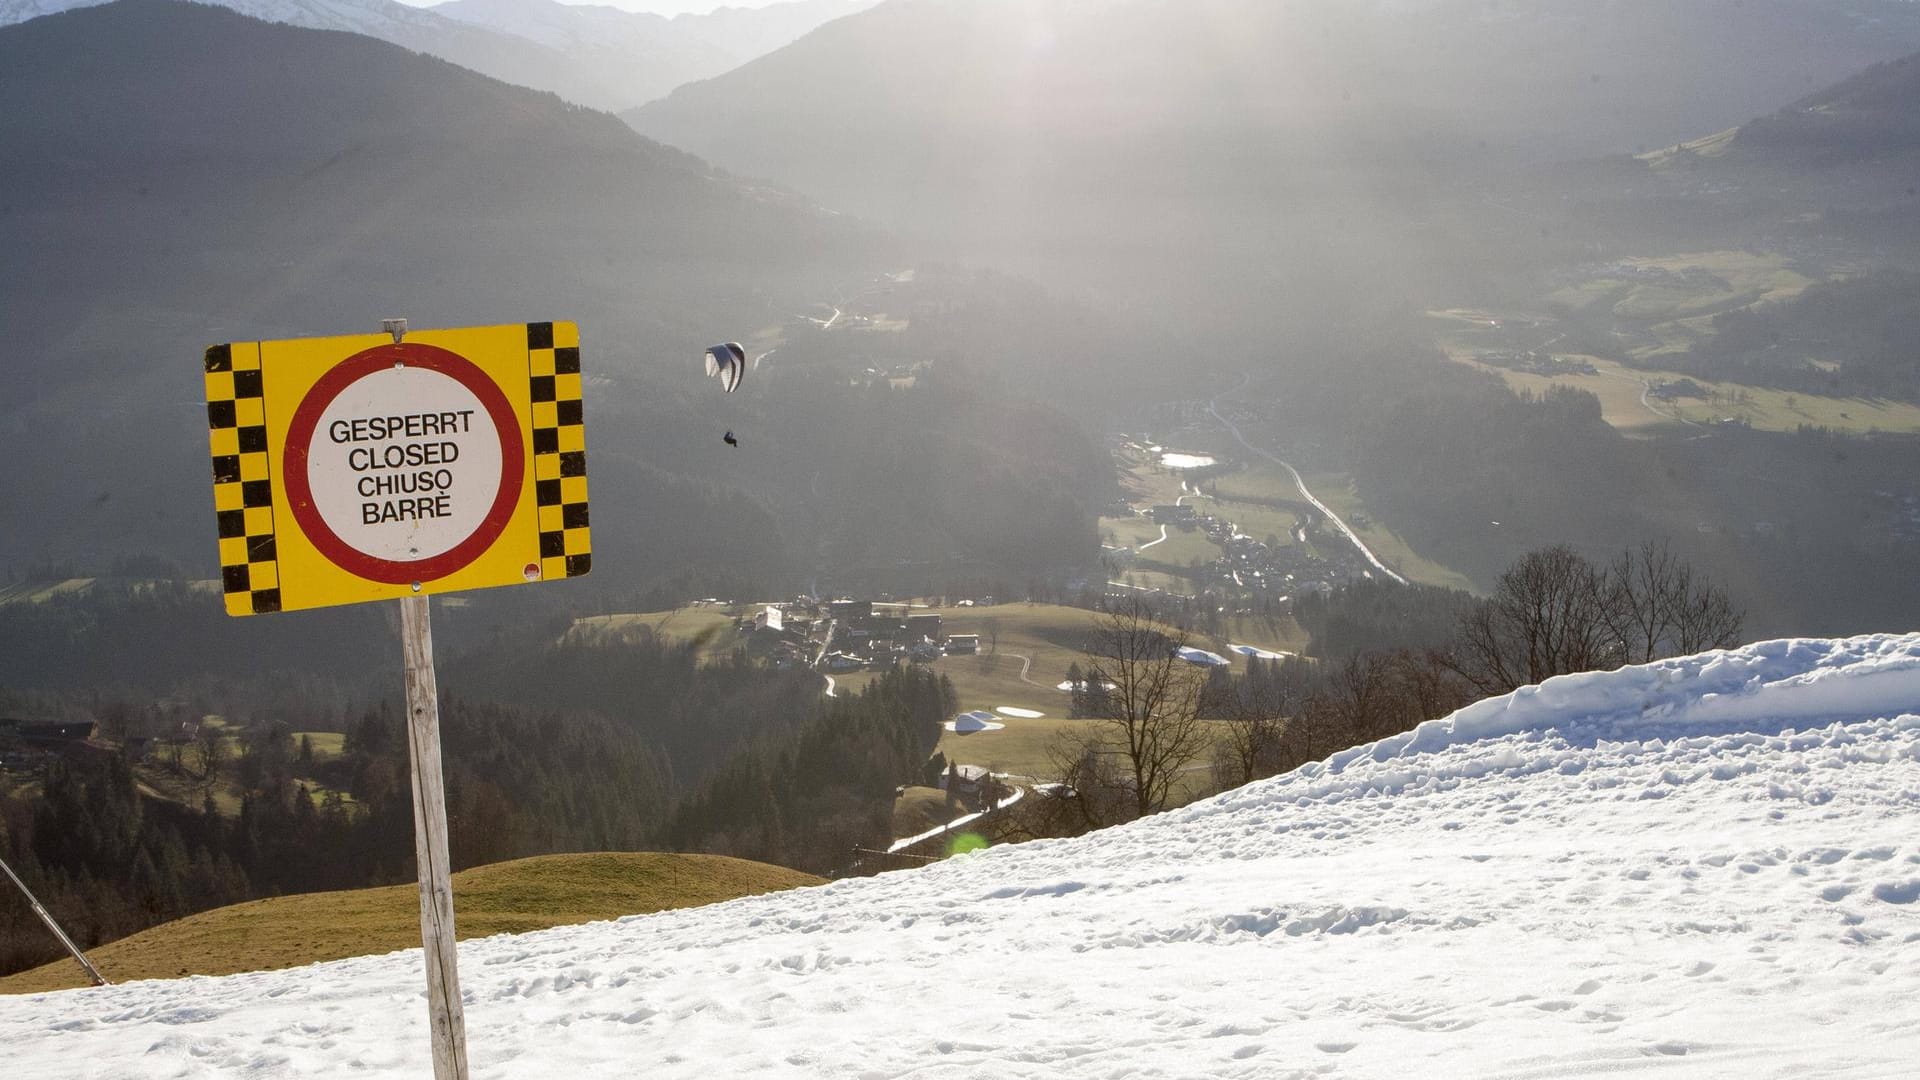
(445, 1012)
(446, 1015)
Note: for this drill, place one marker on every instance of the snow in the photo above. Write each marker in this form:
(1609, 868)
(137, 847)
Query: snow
(958, 824)
(1258, 653)
(1703, 867)
(1185, 461)
(977, 720)
(1201, 656)
(1018, 713)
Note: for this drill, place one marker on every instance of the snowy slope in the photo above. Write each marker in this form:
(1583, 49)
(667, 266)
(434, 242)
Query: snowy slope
(1702, 867)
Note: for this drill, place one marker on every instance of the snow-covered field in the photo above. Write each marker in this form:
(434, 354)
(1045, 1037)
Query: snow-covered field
(1706, 867)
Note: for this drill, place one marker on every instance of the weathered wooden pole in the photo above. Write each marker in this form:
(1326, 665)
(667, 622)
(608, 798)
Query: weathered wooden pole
(92, 972)
(445, 1013)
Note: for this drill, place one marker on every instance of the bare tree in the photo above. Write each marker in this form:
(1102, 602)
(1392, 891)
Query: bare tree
(1257, 714)
(1658, 606)
(991, 624)
(1127, 762)
(211, 748)
(1554, 613)
(1546, 617)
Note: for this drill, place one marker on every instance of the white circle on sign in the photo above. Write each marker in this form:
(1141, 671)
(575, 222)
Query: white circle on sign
(404, 464)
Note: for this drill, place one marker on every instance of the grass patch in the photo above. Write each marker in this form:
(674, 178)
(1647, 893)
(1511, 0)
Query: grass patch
(326, 744)
(712, 627)
(505, 898)
(1621, 389)
(920, 809)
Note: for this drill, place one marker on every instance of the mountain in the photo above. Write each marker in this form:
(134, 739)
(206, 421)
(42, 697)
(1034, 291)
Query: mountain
(178, 175)
(1233, 151)
(1855, 142)
(1831, 176)
(505, 57)
(639, 56)
(598, 56)
(1704, 866)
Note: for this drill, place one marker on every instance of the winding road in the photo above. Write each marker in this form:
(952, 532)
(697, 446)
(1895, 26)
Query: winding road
(1026, 665)
(1213, 406)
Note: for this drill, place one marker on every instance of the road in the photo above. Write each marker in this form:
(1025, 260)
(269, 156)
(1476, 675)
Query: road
(1026, 665)
(1645, 388)
(1213, 406)
(1163, 529)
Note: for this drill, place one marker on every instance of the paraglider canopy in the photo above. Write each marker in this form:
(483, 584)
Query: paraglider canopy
(729, 362)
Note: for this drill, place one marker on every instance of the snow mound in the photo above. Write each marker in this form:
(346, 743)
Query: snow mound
(1201, 656)
(1258, 653)
(977, 720)
(1702, 867)
(1018, 713)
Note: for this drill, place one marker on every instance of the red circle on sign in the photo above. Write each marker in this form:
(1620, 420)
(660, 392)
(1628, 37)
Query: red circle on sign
(306, 419)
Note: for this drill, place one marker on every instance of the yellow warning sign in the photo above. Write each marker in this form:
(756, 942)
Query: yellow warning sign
(359, 468)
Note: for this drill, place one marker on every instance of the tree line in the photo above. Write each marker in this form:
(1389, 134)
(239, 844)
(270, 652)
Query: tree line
(1166, 730)
(652, 749)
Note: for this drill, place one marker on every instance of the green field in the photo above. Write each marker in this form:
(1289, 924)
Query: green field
(1269, 483)
(326, 744)
(1043, 640)
(1336, 490)
(1179, 548)
(713, 627)
(1677, 287)
(34, 592)
(1665, 306)
(1620, 391)
(505, 898)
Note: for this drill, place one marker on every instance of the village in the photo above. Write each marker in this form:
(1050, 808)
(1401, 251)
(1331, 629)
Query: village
(845, 635)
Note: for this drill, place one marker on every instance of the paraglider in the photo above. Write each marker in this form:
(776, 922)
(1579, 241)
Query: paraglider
(729, 363)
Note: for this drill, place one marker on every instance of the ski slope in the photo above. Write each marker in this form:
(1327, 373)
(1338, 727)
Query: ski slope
(1705, 867)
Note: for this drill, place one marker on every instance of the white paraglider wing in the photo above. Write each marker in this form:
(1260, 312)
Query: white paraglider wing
(729, 363)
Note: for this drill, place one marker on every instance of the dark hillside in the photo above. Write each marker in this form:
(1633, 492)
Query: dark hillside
(176, 174)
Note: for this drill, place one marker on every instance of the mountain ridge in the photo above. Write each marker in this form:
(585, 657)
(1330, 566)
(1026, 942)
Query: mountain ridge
(604, 57)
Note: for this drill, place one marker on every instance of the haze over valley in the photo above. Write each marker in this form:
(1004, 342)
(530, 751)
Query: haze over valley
(1337, 368)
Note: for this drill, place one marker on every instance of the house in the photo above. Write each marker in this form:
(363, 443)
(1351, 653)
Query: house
(851, 610)
(1172, 514)
(845, 662)
(958, 644)
(769, 618)
(964, 779)
(923, 627)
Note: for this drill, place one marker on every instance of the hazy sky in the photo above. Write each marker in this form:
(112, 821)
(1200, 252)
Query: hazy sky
(663, 7)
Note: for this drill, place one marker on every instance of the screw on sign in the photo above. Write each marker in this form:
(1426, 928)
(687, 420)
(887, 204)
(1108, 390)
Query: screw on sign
(352, 469)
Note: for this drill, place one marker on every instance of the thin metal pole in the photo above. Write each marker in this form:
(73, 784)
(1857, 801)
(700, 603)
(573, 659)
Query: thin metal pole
(445, 1011)
(92, 972)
